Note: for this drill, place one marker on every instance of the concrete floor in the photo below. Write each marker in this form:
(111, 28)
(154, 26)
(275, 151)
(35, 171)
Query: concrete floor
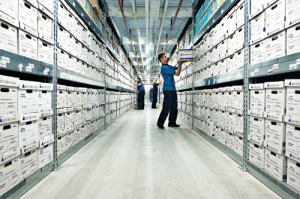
(135, 159)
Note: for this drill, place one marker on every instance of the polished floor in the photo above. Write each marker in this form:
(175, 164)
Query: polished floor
(135, 159)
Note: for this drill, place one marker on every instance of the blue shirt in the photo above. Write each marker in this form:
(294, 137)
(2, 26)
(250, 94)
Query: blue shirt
(168, 72)
(141, 87)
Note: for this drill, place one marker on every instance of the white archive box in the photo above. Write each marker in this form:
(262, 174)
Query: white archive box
(238, 145)
(61, 121)
(292, 97)
(258, 53)
(9, 139)
(292, 12)
(84, 97)
(275, 164)
(257, 26)
(257, 7)
(49, 5)
(257, 130)
(28, 163)
(28, 96)
(28, 133)
(222, 49)
(62, 38)
(8, 37)
(275, 99)
(45, 52)
(45, 126)
(185, 55)
(239, 59)
(45, 152)
(45, 96)
(293, 39)
(28, 17)
(70, 44)
(222, 136)
(231, 22)
(239, 123)
(275, 46)
(8, 95)
(275, 136)
(77, 97)
(231, 45)
(240, 14)
(230, 63)
(239, 38)
(9, 12)
(70, 22)
(275, 18)
(61, 96)
(238, 97)
(293, 141)
(293, 173)
(77, 117)
(62, 58)
(69, 121)
(257, 98)
(222, 66)
(10, 175)
(45, 27)
(257, 155)
(230, 140)
(28, 45)
(69, 102)
(61, 14)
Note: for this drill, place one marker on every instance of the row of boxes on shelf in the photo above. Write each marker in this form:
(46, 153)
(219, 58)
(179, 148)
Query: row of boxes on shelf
(116, 74)
(185, 77)
(274, 128)
(26, 129)
(230, 28)
(229, 64)
(27, 28)
(274, 30)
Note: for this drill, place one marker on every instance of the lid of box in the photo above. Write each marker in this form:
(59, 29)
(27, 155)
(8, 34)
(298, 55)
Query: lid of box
(255, 113)
(26, 117)
(9, 118)
(215, 90)
(84, 90)
(273, 116)
(69, 109)
(32, 2)
(10, 155)
(9, 81)
(229, 88)
(292, 82)
(46, 140)
(61, 110)
(28, 85)
(61, 87)
(46, 86)
(45, 113)
(45, 11)
(222, 89)
(256, 86)
(291, 119)
(279, 84)
(238, 88)
(70, 88)
(239, 4)
(29, 147)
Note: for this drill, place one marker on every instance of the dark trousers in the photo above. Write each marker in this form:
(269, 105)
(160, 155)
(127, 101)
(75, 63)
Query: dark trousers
(154, 99)
(169, 106)
(141, 99)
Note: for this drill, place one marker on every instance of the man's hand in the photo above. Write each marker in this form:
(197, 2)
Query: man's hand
(181, 62)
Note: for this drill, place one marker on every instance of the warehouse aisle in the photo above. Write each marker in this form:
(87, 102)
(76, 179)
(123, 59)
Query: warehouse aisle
(135, 159)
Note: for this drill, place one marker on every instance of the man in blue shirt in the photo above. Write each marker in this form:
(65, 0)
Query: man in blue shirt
(169, 90)
(141, 94)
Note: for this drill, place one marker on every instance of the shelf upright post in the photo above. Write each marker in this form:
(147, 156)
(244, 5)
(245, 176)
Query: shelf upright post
(246, 84)
(54, 81)
(105, 86)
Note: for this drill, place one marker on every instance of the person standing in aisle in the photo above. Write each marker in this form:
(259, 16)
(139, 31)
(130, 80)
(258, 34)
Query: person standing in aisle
(169, 90)
(141, 94)
(155, 91)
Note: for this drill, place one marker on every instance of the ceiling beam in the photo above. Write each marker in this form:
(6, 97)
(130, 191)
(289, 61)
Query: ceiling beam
(185, 11)
(126, 40)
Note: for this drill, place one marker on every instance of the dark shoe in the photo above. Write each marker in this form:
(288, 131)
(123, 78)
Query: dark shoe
(161, 127)
(154, 107)
(173, 125)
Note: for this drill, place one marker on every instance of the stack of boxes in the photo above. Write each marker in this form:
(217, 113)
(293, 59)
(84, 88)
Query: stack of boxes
(26, 126)
(274, 30)
(273, 138)
(80, 112)
(217, 112)
(221, 50)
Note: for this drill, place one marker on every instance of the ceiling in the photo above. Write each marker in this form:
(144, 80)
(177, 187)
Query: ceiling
(149, 22)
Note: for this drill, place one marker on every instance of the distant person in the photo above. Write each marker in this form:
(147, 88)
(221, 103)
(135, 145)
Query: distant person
(155, 91)
(141, 94)
(169, 90)
(151, 94)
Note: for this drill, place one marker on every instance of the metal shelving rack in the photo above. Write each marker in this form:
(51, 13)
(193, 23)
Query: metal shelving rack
(249, 74)
(21, 66)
